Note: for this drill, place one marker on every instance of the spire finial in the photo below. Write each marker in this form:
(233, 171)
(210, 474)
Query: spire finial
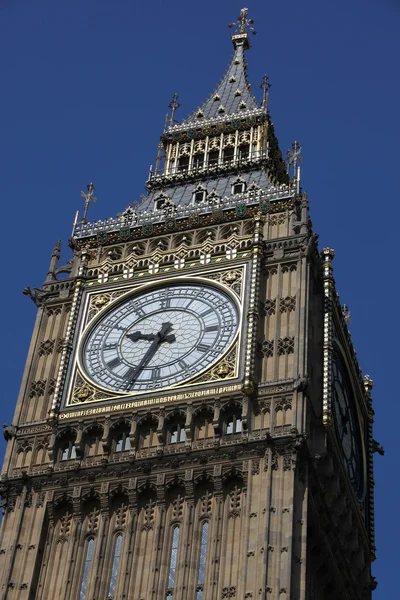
(293, 159)
(88, 199)
(173, 105)
(265, 85)
(243, 24)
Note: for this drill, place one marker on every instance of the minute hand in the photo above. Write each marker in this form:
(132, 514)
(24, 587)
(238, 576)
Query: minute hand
(159, 337)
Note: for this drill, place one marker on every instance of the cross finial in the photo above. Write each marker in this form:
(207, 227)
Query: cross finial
(243, 24)
(265, 85)
(88, 199)
(173, 105)
(293, 159)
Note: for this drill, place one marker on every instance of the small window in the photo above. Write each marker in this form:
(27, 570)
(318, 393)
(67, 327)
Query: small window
(159, 203)
(68, 451)
(239, 187)
(233, 424)
(122, 442)
(229, 154)
(199, 196)
(183, 163)
(244, 151)
(198, 161)
(178, 434)
(213, 157)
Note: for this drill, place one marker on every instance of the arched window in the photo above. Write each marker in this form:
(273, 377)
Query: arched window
(233, 424)
(177, 433)
(173, 562)
(68, 451)
(122, 441)
(202, 561)
(114, 567)
(86, 568)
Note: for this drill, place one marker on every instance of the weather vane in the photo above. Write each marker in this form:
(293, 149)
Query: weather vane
(173, 105)
(265, 85)
(243, 24)
(88, 199)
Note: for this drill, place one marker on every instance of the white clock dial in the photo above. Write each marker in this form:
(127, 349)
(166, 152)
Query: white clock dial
(160, 337)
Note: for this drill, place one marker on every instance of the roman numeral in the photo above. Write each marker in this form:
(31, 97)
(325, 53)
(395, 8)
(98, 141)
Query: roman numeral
(165, 303)
(129, 374)
(207, 312)
(155, 374)
(110, 346)
(203, 347)
(211, 328)
(114, 363)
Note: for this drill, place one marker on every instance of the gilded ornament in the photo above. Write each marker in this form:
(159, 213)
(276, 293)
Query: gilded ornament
(83, 393)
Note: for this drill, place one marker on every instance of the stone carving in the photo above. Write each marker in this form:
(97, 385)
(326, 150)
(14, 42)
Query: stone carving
(46, 347)
(269, 307)
(287, 304)
(267, 348)
(285, 345)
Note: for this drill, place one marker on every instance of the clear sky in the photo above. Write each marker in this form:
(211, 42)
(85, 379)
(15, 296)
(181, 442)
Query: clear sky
(85, 88)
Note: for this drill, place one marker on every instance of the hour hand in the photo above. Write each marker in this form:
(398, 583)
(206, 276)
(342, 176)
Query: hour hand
(138, 335)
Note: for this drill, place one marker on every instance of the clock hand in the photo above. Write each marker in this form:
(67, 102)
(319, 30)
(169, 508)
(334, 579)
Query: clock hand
(138, 335)
(158, 338)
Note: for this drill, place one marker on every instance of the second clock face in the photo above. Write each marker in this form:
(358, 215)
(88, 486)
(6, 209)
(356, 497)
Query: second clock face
(160, 337)
(347, 427)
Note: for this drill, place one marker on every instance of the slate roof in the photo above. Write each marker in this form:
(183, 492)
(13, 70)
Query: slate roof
(182, 194)
(234, 81)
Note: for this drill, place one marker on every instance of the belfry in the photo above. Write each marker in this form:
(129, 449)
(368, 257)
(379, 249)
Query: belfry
(192, 422)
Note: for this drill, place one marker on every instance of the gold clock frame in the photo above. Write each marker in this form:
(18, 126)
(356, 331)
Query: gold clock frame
(83, 392)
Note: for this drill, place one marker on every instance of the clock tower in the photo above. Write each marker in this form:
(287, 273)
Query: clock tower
(193, 423)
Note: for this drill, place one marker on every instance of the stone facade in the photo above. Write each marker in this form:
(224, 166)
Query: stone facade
(232, 485)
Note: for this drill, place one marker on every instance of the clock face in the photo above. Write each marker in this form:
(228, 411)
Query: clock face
(346, 424)
(160, 337)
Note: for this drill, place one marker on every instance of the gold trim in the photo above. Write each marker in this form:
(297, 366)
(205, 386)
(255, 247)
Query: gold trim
(84, 391)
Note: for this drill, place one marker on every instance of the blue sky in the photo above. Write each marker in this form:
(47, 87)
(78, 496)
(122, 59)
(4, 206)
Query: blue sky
(86, 84)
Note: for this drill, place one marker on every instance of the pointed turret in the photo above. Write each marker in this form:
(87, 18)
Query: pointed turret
(55, 257)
